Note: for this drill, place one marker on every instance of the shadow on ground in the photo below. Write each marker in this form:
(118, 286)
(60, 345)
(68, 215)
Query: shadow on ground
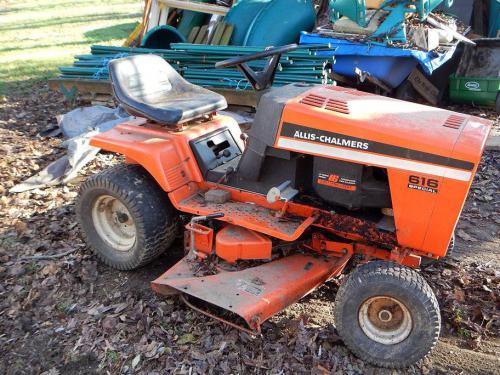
(110, 33)
(60, 21)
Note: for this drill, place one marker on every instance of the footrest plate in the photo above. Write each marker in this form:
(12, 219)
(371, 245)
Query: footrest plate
(250, 216)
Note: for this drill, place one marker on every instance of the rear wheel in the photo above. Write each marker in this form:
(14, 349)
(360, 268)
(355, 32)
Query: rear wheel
(387, 314)
(125, 217)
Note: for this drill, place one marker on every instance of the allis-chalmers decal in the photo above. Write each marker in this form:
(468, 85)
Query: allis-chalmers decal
(331, 140)
(335, 181)
(310, 135)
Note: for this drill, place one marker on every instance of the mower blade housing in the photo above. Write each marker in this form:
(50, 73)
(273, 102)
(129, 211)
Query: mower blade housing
(257, 293)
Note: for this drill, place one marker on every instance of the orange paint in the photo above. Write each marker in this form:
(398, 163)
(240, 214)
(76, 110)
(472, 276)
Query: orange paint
(427, 198)
(233, 243)
(424, 220)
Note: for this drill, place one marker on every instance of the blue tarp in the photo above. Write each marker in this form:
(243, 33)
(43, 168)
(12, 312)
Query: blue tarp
(390, 64)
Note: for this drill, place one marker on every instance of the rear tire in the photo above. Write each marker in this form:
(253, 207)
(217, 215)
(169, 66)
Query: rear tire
(126, 218)
(387, 314)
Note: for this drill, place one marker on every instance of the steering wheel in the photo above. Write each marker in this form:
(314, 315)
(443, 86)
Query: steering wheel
(263, 79)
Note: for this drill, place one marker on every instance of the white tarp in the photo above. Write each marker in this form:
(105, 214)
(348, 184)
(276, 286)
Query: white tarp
(79, 126)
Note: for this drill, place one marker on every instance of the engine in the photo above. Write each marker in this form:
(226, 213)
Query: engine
(350, 185)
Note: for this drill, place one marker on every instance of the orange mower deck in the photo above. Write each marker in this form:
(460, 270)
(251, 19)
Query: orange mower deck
(254, 294)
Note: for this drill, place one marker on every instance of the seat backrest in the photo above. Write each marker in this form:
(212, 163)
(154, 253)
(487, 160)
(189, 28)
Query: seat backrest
(145, 78)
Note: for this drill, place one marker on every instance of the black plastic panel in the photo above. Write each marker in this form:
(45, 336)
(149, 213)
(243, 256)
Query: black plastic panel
(214, 149)
(350, 185)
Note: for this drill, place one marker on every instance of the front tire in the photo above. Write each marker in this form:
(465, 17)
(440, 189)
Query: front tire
(126, 218)
(387, 314)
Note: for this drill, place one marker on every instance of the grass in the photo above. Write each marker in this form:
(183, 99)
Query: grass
(38, 36)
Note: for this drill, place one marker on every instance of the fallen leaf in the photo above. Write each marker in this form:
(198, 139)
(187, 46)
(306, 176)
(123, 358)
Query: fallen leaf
(186, 339)
(136, 360)
(50, 269)
(52, 371)
(459, 294)
(20, 227)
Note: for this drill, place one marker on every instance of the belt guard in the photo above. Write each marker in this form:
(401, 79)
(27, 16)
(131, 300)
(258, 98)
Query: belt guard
(257, 293)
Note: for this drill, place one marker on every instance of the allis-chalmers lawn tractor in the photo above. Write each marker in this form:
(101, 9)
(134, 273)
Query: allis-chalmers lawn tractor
(328, 179)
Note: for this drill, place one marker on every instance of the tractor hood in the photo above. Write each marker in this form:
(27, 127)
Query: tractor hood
(381, 131)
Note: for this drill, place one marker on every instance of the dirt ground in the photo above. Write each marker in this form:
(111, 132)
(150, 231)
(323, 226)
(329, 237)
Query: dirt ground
(73, 315)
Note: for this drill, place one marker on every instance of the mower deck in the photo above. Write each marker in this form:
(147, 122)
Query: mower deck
(251, 216)
(255, 294)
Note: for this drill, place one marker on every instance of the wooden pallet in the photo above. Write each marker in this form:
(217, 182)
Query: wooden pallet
(96, 88)
(219, 35)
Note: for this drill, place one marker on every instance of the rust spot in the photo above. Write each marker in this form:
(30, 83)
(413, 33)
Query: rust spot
(359, 227)
(257, 281)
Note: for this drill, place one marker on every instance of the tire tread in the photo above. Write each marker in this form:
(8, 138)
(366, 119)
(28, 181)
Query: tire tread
(412, 280)
(152, 211)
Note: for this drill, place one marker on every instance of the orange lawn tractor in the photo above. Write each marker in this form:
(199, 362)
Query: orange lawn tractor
(327, 179)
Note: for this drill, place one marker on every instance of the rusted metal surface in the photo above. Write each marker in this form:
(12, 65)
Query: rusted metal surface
(213, 316)
(405, 256)
(368, 239)
(321, 244)
(251, 216)
(358, 227)
(255, 294)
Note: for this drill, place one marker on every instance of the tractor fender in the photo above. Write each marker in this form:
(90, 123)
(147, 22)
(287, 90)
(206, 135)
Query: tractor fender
(156, 150)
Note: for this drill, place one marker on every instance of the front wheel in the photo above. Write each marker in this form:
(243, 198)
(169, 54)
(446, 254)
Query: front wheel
(125, 217)
(387, 314)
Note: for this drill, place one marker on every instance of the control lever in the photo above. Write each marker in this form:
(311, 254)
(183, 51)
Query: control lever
(283, 192)
(217, 215)
(226, 153)
(193, 253)
(230, 170)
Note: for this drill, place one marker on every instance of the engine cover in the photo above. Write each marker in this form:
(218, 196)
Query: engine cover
(350, 185)
(430, 155)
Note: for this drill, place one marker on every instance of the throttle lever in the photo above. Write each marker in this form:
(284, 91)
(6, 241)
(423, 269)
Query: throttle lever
(215, 216)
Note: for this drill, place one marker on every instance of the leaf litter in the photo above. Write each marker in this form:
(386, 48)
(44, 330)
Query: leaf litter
(71, 314)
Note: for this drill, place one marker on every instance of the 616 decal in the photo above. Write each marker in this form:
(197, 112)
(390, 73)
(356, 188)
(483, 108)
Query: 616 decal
(421, 183)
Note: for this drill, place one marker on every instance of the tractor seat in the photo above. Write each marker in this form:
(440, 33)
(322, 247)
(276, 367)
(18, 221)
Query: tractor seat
(147, 86)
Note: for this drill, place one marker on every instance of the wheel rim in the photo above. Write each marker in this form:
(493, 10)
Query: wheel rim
(385, 320)
(114, 223)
